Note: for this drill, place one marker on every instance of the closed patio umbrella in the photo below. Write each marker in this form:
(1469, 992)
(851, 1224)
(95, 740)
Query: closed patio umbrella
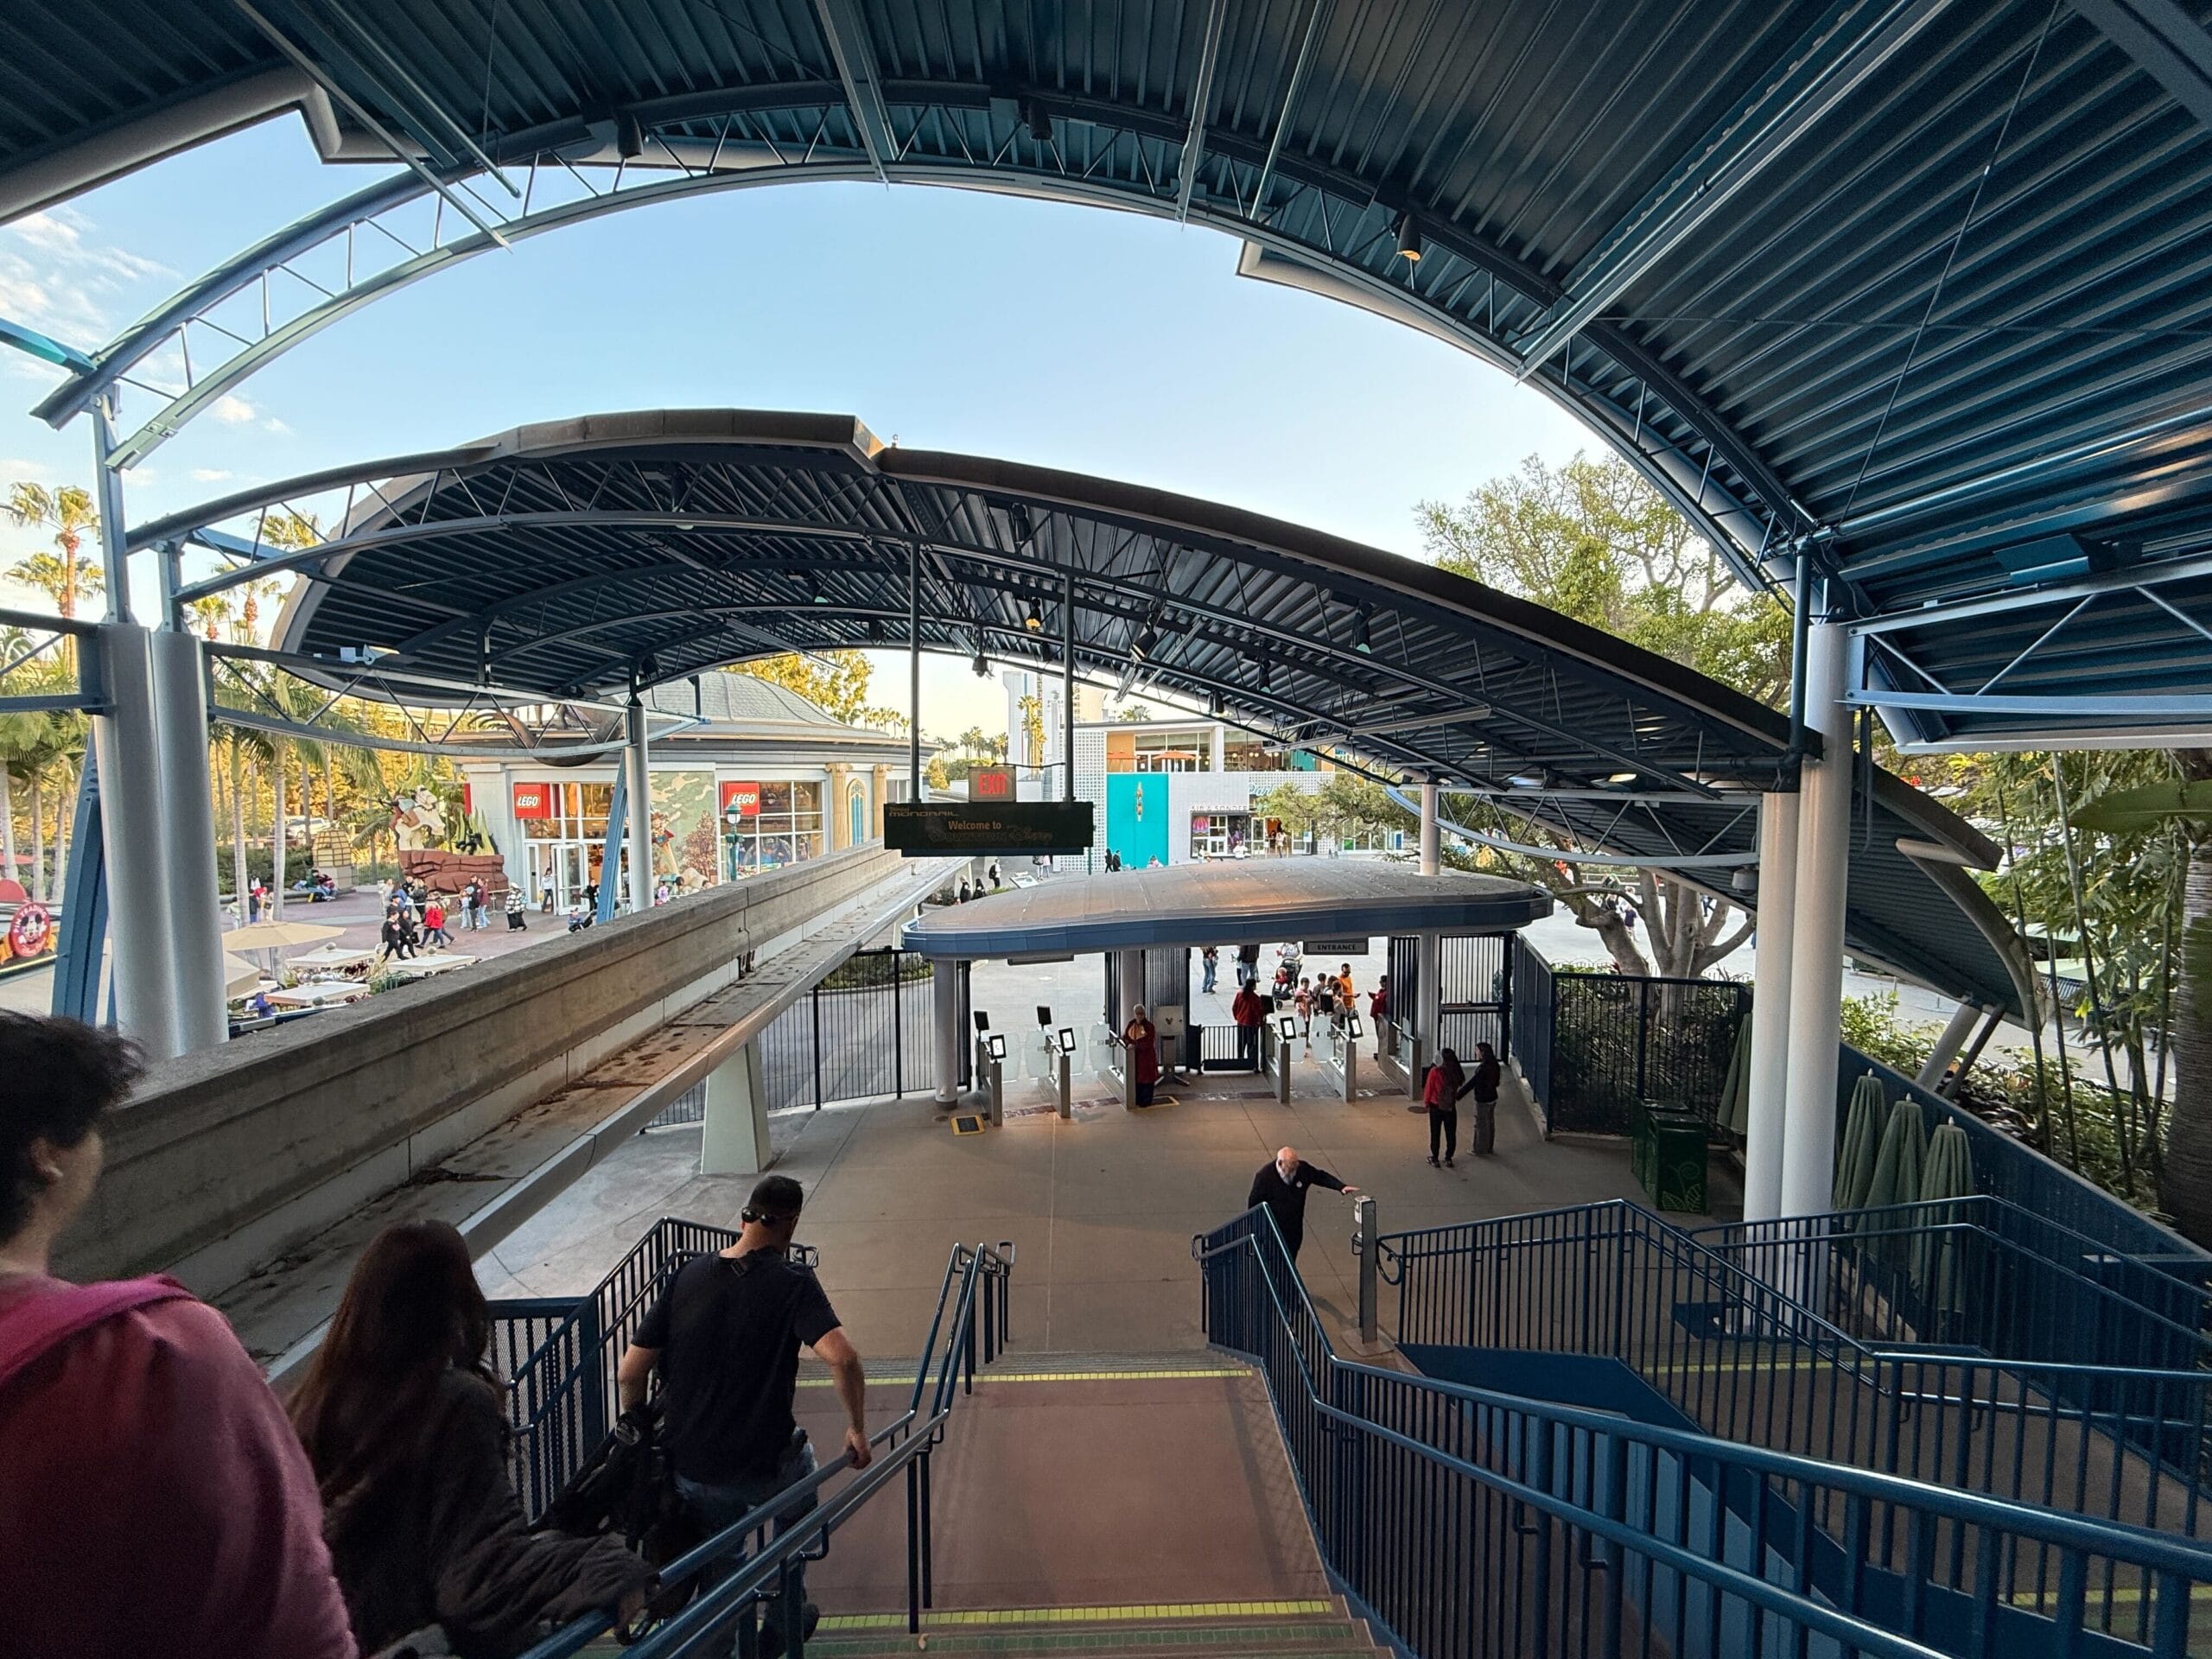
(1734, 1111)
(1947, 1173)
(1897, 1170)
(1861, 1142)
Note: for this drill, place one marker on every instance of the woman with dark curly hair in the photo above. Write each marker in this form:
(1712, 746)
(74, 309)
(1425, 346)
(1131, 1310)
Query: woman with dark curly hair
(407, 1430)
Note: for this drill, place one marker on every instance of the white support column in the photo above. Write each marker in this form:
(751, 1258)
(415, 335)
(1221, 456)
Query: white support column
(1432, 838)
(1767, 1117)
(734, 1141)
(1817, 954)
(944, 1023)
(1948, 1046)
(189, 838)
(638, 834)
(126, 740)
(1428, 1001)
(1220, 755)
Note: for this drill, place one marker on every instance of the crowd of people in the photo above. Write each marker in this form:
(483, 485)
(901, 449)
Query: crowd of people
(157, 1496)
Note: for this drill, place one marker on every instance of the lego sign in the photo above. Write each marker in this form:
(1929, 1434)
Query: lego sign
(991, 784)
(533, 800)
(740, 800)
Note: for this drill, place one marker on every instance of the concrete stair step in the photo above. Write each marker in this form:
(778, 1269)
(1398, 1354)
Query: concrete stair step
(1313, 1629)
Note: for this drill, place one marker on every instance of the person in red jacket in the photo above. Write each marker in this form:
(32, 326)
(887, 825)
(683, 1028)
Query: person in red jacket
(1247, 1010)
(1143, 1041)
(153, 1499)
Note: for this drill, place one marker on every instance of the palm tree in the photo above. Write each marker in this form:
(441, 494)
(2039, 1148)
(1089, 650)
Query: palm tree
(64, 576)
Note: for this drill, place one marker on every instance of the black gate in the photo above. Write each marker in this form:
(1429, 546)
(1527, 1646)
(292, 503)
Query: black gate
(1166, 984)
(863, 1031)
(1476, 1000)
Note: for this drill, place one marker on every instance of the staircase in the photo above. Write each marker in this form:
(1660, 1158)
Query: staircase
(1318, 1629)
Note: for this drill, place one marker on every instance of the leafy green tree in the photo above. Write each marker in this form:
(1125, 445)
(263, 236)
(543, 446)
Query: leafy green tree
(835, 682)
(1594, 542)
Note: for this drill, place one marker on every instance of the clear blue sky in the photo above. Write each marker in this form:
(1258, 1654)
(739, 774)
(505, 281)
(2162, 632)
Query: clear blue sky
(1072, 337)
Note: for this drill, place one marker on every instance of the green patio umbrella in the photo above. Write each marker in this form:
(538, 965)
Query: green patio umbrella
(1735, 1109)
(1897, 1169)
(1947, 1173)
(1856, 1151)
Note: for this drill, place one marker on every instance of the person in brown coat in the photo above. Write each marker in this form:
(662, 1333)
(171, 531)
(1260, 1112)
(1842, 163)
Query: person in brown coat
(407, 1431)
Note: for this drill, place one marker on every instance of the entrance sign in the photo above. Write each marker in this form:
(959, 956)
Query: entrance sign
(1351, 947)
(926, 829)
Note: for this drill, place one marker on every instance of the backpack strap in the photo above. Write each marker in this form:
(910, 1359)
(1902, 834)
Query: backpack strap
(45, 1319)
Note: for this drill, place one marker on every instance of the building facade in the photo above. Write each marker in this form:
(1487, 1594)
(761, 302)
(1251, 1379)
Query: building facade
(763, 779)
(1182, 789)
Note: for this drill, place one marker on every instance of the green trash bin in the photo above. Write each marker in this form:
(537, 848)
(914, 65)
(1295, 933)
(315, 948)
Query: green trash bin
(1667, 1152)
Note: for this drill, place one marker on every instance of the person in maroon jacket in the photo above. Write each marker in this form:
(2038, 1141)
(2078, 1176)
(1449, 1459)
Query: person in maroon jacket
(153, 1499)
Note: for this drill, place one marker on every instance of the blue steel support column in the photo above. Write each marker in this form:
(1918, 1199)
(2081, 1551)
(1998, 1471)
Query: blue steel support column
(637, 761)
(610, 857)
(195, 922)
(1815, 999)
(83, 916)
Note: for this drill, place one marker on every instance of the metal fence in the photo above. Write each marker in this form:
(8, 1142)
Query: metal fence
(1532, 1022)
(1738, 1357)
(863, 1031)
(1479, 1524)
(559, 1355)
(1616, 1040)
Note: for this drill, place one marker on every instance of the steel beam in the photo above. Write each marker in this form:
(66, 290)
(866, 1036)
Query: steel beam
(1194, 140)
(844, 31)
(2032, 706)
(2166, 43)
(2135, 576)
(1825, 66)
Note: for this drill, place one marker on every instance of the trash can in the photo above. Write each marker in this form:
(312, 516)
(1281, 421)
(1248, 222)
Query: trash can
(1667, 1151)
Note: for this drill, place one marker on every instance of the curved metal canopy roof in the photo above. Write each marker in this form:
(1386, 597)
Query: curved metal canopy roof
(569, 557)
(1912, 286)
(1225, 902)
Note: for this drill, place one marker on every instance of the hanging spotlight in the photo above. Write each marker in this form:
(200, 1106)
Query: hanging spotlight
(1362, 640)
(983, 663)
(875, 629)
(1146, 643)
(1018, 521)
(1260, 673)
(1039, 123)
(1408, 236)
(1035, 621)
(814, 594)
(1214, 705)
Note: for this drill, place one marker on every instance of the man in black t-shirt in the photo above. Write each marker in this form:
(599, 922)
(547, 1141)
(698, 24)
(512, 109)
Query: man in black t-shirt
(725, 1339)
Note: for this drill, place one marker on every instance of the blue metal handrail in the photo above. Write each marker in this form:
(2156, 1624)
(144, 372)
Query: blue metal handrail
(1983, 1273)
(1743, 1356)
(1474, 1524)
(981, 1320)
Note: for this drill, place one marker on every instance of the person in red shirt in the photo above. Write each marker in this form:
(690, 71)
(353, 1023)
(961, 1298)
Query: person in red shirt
(1143, 1041)
(434, 924)
(153, 1499)
(1247, 1010)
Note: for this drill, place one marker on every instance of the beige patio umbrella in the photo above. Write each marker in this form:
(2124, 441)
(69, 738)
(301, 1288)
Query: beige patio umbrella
(240, 976)
(277, 936)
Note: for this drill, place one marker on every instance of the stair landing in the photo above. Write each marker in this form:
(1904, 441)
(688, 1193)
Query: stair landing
(1063, 1487)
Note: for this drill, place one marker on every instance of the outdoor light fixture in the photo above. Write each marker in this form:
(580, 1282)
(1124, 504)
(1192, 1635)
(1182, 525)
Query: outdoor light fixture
(1409, 238)
(1538, 779)
(875, 629)
(982, 665)
(1260, 673)
(1214, 705)
(1622, 777)
(1361, 639)
(1146, 643)
(1034, 118)
(1035, 621)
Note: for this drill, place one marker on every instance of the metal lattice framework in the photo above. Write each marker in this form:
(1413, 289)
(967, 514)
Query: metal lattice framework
(575, 559)
(1909, 289)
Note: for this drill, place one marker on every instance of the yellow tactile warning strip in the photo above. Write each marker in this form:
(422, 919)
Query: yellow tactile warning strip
(1144, 1612)
(1046, 1377)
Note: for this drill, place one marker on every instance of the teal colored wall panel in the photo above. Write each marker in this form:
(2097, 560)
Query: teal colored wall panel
(1137, 816)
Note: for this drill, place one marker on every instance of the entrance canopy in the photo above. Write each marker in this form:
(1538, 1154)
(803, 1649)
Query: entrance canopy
(1225, 902)
(580, 557)
(1909, 291)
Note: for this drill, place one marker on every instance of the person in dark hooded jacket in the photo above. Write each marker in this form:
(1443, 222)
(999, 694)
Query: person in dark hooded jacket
(407, 1432)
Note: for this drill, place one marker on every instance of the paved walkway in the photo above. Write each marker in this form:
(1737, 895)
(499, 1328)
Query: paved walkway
(1101, 1209)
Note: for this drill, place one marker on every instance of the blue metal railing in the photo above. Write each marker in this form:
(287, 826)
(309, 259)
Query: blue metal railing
(1740, 1356)
(1478, 1524)
(970, 1325)
(1979, 1272)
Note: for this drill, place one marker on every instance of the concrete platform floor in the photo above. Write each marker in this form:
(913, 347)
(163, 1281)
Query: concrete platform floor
(1101, 1210)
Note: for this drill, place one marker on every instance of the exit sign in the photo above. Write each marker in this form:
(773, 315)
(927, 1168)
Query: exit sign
(991, 784)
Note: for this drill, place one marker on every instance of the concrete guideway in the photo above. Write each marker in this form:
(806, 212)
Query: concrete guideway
(272, 1180)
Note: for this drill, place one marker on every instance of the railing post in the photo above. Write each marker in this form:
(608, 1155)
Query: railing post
(594, 1424)
(915, 1546)
(1362, 1244)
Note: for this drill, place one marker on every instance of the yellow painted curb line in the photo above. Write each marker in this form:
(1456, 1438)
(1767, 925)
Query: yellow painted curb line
(1146, 1613)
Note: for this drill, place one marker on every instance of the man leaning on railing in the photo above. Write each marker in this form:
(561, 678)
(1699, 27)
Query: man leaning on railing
(725, 1337)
